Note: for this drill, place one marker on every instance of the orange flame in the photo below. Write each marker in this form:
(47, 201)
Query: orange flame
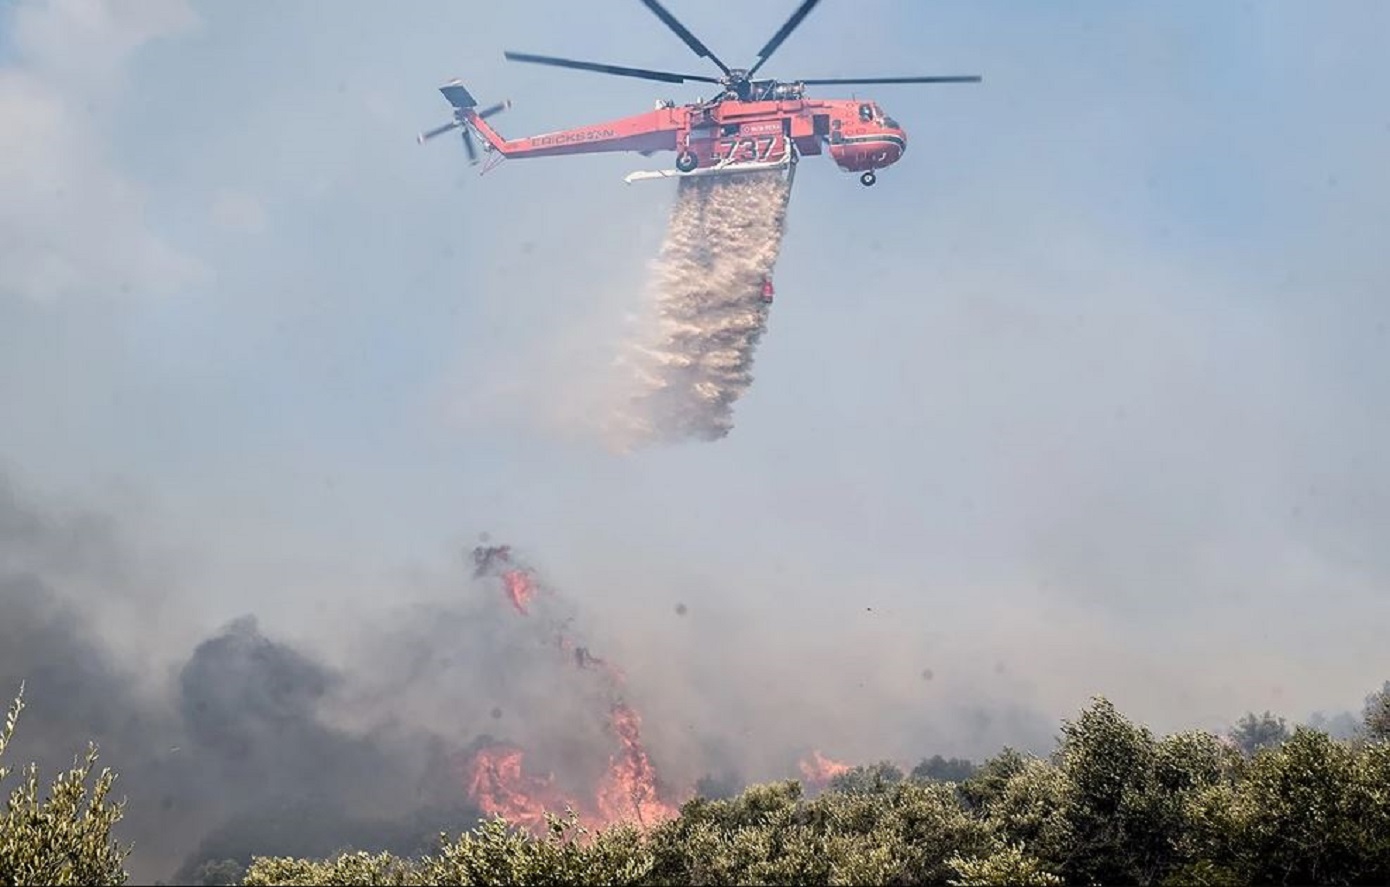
(520, 589)
(628, 792)
(500, 788)
(817, 769)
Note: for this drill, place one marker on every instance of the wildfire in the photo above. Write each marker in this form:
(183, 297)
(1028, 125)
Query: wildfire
(496, 780)
(499, 786)
(519, 589)
(628, 791)
(817, 769)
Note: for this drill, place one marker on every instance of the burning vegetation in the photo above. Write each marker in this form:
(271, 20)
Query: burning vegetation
(1191, 807)
(497, 777)
(500, 779)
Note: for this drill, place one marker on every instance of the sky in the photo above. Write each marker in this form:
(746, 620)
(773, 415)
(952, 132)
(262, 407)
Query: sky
(1084, 396)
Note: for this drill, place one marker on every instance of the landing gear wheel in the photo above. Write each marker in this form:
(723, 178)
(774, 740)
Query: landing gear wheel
(868, 178)
(686, 161)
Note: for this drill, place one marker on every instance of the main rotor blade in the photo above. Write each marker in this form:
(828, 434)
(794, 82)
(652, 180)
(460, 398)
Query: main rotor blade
(971, 78)
(682, 32)
(802, 11)
(643, 73)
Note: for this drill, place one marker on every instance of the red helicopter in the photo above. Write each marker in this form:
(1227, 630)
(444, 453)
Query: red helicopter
(749, 125)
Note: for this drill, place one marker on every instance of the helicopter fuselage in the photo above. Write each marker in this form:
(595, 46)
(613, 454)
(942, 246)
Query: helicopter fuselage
(727, 133)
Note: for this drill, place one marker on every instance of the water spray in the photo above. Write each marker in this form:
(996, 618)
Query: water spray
(692, 358)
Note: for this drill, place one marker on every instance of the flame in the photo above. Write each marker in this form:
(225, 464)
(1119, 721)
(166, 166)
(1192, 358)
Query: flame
(628, 791)
(495, 776)
(498, 785)
(520, 589)
(817, 769)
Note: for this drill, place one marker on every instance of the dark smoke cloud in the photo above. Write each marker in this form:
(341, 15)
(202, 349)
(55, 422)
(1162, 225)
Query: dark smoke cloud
(232, 752)
(245, 743)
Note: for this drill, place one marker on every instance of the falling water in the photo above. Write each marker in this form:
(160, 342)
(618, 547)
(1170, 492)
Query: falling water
(692, 357)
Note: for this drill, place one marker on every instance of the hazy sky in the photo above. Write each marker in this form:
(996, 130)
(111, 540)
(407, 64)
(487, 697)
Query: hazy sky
(1087, 395)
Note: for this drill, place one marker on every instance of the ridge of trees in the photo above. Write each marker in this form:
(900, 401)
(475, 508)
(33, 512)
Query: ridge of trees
(1112, 804)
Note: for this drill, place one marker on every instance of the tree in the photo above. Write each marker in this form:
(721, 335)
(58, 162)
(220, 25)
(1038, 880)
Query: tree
(66, 837)
(1376, 715)
(1254, 732)
(867, 779)
(493, 853)
(939, 769)
(1007, 867)
(218, 873)
(1300, 815)
(1120, 828)
(989, 780)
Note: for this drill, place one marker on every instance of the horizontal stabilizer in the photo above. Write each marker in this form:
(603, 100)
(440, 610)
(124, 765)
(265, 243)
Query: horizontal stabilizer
(457, 95)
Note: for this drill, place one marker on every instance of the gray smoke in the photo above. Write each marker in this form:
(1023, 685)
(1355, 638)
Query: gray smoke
(694, 355)
(241, 744)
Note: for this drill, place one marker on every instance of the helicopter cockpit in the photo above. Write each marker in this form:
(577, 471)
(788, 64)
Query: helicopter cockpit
(870, 112)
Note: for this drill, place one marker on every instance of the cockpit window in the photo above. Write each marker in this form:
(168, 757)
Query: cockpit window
(890, 122)
(866, 112)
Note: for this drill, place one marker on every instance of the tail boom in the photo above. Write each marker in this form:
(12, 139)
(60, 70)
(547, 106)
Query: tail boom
(650, 132)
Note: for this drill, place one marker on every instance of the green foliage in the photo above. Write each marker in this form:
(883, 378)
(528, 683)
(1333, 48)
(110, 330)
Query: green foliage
(939, 769)
(989, 780)
(1008, 865)
(877, 830)
(1254, 732)
(66, 837)
(1117, 825)
(348, 868)
(218, 873)
(867, 779)
(1313, 811)
(1376, 715)
(494, 853)
(1031, 809)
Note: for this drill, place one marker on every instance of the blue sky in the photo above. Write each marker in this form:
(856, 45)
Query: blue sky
(1084, 393)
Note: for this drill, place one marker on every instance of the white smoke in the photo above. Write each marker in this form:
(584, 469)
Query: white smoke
(692, 355)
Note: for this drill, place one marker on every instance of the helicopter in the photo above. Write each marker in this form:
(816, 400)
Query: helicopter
(749, 125)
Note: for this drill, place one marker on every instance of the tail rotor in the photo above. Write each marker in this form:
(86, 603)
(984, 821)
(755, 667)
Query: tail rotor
(463, 116)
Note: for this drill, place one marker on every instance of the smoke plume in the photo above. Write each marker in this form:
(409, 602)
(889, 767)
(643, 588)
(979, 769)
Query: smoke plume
(693, 357)
(244, 743)
(493, 693)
